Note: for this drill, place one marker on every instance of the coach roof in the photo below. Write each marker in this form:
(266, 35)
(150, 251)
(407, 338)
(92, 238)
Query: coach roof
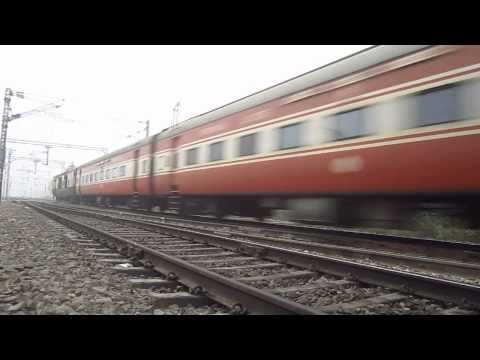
(350, 64)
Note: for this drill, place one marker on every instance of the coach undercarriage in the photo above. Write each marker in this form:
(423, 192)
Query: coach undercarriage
(370, 210)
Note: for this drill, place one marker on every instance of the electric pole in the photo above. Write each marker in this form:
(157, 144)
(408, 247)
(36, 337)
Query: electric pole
(3, 135)
(6, 118)
(7, 177)
(9, 170)
(48, 153)
(147, 127)
(176, 112)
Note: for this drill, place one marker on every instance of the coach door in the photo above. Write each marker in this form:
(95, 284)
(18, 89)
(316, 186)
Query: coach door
(79, 181)
(173, 186)
(135, 170)
(75, 181)
(151, 172)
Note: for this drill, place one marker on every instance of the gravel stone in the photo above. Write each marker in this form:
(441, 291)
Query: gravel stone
(44, 272)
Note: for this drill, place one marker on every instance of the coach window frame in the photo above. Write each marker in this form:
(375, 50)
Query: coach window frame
(158, 162)
(430, 106)
(166, 162)
(468, 92)
(252, 147)
(191, 159)
(348, 127)
(283, 132)
(220, 153)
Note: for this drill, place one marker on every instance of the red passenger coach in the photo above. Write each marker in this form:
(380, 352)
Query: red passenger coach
(379, 134)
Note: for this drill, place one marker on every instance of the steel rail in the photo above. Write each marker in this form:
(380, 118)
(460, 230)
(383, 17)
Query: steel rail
(418, 284)
(434, 264)
(327, 234)
(226, 291)
(344, 234)
(440, 265)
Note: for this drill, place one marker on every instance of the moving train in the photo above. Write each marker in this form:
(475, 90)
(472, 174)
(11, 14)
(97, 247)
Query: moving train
(376, 135)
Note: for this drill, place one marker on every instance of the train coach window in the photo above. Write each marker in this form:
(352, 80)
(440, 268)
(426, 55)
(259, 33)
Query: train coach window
(107, 174)
(192, 156)
(438, 106)
(216, 151)
(102, 174)
(175, 160)
(470, 92)
(290, 136)
(351, 124)
(114, 173)
(158, 162)
(122, 170)
(247, 145)
(144, 166)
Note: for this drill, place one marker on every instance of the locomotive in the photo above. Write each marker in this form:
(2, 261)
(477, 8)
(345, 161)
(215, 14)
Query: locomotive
(376, 135)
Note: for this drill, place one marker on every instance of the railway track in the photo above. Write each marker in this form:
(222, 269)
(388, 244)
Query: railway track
(255, 278)
(446, 259)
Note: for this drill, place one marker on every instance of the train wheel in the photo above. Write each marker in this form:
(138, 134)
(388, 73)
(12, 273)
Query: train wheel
(220, 212)
(162, 207)
(262, 214)
(473, 217)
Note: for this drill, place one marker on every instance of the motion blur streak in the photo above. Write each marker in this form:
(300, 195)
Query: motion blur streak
(315, 145)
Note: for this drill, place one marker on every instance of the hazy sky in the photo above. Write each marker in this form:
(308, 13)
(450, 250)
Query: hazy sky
(109, 88)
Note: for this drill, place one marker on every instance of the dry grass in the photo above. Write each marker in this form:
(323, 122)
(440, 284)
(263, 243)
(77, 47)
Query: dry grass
(444, 228)
(433, 227)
